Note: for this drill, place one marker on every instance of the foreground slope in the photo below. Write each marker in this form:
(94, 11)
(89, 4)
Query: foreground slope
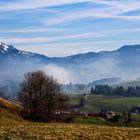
(67, 132)
(13, 127)
(9, 112)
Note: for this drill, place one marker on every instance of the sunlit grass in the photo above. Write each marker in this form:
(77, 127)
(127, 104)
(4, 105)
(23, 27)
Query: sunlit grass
(13, 127)
(67, 132)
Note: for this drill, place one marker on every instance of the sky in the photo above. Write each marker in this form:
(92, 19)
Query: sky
(66, 27)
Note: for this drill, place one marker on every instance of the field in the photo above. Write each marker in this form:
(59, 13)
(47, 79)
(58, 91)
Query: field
(13, 127)
(114, 103)
(34, 131)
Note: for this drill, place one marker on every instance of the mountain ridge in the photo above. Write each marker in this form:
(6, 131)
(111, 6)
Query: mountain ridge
(79, 68)
(4, 48)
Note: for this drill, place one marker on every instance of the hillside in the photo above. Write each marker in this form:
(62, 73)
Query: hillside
(12, 126)
(10, 112)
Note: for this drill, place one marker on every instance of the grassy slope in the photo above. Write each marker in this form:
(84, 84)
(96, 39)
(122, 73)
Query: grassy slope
(9, 112)
(10, 105)
(12, 126)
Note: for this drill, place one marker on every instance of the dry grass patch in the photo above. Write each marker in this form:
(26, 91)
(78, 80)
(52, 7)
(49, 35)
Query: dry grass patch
(41, 131)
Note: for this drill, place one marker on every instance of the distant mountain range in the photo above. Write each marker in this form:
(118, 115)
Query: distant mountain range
(79, 68)
(76, 71)
(129, 53)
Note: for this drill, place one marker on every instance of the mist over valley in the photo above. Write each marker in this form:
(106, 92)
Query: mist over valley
(77, 70)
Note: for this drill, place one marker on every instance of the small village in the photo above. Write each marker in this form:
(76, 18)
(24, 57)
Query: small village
(109, 115)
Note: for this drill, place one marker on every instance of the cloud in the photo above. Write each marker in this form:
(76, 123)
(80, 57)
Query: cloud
(113, 9)
(61, 74)
(86, 12)
(35, 4)
(78, 15)
(32, 30)
(61, 38)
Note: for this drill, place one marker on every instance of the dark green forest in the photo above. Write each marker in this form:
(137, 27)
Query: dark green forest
(131, 91)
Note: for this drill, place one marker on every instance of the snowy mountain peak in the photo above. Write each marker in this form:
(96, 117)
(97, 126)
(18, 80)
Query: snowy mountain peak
(4, 47)
(9, 52)
(8, 49)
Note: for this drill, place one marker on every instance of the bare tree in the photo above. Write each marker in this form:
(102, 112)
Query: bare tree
(42, 96)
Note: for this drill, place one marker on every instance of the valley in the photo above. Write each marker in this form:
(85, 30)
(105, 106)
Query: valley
(12, 126)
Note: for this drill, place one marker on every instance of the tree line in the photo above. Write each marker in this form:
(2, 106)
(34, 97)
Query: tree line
(130, 91)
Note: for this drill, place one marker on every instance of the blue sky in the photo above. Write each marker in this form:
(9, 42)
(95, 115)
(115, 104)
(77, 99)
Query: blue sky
(65, 27)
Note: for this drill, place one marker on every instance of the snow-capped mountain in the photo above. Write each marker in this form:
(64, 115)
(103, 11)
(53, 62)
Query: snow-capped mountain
(124, 53)
(3, 48)
(8, 51)
(79, 68)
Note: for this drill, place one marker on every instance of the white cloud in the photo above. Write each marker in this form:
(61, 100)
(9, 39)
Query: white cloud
(114, 9)
(35, 4)
(63, 75)
(76, 15)
(32, 30)
(61, 38)
(114, 12)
